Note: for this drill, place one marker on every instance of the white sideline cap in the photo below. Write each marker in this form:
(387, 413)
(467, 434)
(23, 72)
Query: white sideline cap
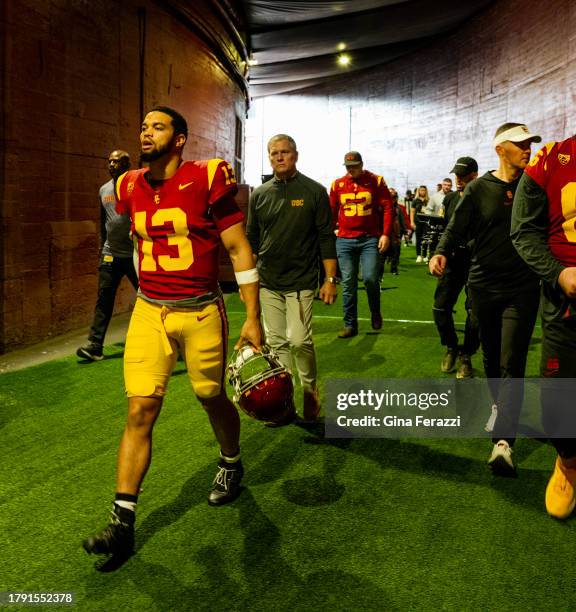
(519, 133)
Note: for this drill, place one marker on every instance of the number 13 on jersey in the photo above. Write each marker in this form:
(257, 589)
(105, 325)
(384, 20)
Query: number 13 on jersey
(179, 238)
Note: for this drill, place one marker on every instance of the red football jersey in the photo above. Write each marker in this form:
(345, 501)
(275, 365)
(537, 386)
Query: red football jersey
(362, 206)
(177, 224)
(554, 169)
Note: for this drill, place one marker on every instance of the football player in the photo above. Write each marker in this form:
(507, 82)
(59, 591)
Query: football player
(179, 211)
(544, 234)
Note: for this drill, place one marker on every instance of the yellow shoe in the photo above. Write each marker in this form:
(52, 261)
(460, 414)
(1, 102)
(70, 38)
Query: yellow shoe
(560, 499)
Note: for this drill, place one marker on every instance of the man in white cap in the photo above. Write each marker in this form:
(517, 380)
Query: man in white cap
(503, 290)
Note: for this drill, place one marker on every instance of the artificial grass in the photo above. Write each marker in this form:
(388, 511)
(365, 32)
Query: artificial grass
(322, 525)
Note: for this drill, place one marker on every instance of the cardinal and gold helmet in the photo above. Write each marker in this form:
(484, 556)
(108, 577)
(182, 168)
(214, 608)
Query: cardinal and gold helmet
(263, 387)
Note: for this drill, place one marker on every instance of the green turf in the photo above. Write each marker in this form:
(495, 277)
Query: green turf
(322, 525)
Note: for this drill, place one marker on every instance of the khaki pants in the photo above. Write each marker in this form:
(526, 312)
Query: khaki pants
(287, 317)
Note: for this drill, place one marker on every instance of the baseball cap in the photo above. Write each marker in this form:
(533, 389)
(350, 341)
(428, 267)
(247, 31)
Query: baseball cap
(464, 166)
(518, 133)
(352, 158)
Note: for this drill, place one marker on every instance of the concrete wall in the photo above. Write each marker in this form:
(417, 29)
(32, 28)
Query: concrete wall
(71, 93)
(412, 118)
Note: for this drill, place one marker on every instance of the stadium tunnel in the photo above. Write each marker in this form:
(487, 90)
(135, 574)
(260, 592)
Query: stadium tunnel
(423, 83)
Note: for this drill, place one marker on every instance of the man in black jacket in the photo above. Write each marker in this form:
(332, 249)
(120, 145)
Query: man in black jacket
(451, 283)
(503, 290)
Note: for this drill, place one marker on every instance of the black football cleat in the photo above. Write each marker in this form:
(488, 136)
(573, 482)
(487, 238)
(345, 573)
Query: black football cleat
(117, 539)
(226, 485)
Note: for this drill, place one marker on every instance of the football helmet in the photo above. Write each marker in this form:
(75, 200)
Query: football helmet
(263, 387)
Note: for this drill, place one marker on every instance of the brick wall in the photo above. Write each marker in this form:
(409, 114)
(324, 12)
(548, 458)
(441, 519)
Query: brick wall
(412, 118)
(71, 94)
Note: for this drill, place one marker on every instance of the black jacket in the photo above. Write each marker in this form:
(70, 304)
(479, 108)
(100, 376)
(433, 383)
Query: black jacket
(483, 218)
(290, 228)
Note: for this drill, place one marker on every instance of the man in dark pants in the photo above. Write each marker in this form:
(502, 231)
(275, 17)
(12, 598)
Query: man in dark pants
(504, 291)
(417, 207)
(451, 283)
(543, 233)
(399, 230)
(116, 260)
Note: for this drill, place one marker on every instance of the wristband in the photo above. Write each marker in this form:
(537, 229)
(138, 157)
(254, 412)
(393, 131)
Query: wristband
(247, 276)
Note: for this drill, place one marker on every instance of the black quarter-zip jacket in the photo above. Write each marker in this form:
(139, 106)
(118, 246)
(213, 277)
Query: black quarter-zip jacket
(289, 227)
(482, 218)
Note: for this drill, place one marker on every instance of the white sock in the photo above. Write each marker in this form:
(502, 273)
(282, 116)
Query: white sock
(234, 459)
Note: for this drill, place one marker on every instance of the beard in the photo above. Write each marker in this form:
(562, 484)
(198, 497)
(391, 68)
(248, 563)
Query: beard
(117, 172)
(156, 153)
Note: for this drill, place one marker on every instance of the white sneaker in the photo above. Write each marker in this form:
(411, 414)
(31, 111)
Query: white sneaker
(489, 427)
(501, 459)
(419, 259)
(425, 260)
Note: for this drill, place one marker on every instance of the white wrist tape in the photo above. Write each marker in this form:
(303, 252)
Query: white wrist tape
(247, 276)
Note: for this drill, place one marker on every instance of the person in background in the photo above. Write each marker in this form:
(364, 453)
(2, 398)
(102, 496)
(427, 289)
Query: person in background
(406, 215)
(116, 258)
(399, 230)
(408, 198)
(435, 207)
(451, 283)
(418, 205)
(363, 216)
